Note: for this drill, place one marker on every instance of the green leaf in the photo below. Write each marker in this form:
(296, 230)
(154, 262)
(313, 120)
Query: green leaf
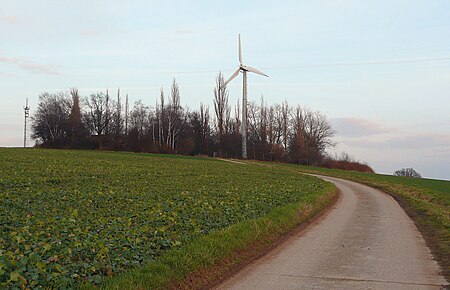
(14, 276)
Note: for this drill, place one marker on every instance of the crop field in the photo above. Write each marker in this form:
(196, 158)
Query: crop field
(71, 217)
(427, 202)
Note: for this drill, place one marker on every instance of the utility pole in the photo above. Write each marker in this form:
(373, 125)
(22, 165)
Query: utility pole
(26, 111)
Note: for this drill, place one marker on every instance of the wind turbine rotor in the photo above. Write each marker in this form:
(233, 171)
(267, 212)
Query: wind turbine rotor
(233, 76)
(244, 69)
(240, 50)
(253, 70)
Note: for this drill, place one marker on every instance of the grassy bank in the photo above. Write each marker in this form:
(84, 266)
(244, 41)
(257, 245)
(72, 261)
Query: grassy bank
(426, 201)
(71, 217)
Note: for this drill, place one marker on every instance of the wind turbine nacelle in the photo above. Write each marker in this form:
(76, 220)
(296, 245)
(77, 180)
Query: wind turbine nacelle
(243, 68)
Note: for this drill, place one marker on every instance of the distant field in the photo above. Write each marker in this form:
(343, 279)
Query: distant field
(427, 202)
(76, 216)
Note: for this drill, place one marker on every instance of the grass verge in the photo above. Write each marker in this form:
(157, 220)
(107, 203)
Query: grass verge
(210, 258)
(426, 201)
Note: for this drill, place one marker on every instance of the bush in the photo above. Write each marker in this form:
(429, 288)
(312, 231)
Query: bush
(407, 172)
(347, 165)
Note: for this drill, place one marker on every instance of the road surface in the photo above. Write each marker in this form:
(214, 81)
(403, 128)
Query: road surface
(365, 242)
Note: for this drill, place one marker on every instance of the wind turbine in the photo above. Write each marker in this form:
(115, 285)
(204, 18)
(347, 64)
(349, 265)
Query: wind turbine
(244, 69)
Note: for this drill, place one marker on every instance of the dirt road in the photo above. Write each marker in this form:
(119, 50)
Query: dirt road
(365, 242)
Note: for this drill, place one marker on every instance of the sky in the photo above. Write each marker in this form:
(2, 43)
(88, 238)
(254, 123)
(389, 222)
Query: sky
(379, 70)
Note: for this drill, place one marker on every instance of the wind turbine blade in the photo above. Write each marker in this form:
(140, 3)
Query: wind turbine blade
(233, 76)
(240, 50)
(254, 70)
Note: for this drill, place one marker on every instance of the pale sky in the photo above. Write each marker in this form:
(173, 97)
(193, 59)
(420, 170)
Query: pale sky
(379, 70)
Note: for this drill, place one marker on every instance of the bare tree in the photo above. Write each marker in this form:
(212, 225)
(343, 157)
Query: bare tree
(127, 109)
(263, 123)
(99, 116)
(278, 124)
(297, 146)
(227, 124)
(117, 116)
(237, 119)
(199, 122)
(271, 128)
(173, 116)
(153, 117)
(253, 122)
(318, 132)
(284, 123)
(221, 108)
(75, 125)
(161, 118)
(345, 157)
(258, 129)
(108, 115)
(139, 117)
(204, 118)
(311, 135)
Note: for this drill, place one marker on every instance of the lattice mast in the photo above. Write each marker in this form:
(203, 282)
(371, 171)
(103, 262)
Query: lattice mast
(26, 111)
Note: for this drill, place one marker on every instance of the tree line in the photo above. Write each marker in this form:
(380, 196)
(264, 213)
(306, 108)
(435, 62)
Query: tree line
(277, 132)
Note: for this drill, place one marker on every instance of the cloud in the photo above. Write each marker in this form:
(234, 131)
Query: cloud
(404, 141)
(420, 141)
(89, 32)
(424, 151)
(368, 63)
(358, 127)
(183, 31)
(31, 66)
(40, 68)
(7, 74)
(9, 19)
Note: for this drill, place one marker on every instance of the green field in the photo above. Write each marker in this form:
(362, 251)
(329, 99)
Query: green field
(71, 217)
(426, 201)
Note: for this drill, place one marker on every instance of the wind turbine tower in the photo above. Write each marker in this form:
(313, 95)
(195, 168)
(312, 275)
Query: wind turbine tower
(244, 69)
